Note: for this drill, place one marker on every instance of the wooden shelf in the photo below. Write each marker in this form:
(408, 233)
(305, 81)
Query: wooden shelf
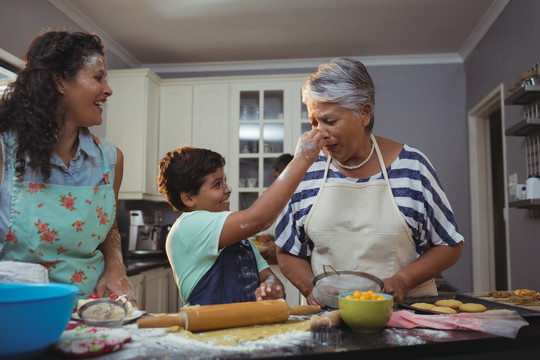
(523, 95)
(524, 127)
(525, 204)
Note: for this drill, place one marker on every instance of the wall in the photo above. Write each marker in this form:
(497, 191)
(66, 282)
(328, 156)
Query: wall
(424, 107)
(421, 105)
(21, 20)
(509, 49)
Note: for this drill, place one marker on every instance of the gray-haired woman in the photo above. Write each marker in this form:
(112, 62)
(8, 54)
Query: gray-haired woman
(368, 203)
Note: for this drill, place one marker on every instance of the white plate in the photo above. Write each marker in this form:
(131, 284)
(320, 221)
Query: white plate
(134, 315)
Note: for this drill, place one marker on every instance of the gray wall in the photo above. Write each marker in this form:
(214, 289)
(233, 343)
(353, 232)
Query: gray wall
(509, 49)
(21, 20)
(424, 106)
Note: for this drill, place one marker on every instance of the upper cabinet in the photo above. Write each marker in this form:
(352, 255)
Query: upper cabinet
(250, 120)
(211, 116)
(132, 124)
(175, 118)
(266, 120)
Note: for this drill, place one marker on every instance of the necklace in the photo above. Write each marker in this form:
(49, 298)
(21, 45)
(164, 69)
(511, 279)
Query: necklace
(354, 167)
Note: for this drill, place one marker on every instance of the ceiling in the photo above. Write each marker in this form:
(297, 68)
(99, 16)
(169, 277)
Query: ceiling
(182, 32)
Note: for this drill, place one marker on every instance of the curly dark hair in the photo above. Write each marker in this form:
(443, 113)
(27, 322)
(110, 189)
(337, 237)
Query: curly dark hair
(184, 170)
(30, 106)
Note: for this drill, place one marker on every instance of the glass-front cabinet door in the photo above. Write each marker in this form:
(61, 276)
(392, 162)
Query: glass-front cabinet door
(262, 117)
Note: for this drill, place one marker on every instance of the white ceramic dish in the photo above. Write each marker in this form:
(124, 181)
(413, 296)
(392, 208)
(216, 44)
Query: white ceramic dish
(134, 315)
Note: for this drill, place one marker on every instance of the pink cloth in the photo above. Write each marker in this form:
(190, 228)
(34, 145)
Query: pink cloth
(503, 323)
(81, 340)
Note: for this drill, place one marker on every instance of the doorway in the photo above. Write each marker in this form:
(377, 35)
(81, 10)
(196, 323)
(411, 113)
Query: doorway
(498, 203)
(489, 235)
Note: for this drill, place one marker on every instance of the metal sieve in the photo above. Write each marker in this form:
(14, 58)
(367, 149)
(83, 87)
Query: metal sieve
(330, 284)
(104, 312)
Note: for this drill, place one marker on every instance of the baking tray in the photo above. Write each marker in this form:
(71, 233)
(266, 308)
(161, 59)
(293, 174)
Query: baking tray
(491, 305)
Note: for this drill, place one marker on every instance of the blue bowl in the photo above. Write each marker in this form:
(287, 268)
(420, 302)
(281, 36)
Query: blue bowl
(33, 316)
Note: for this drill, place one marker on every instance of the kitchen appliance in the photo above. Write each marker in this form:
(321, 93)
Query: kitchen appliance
(146, 232)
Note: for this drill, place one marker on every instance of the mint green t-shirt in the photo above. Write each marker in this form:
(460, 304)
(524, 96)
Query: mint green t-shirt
(193, 246)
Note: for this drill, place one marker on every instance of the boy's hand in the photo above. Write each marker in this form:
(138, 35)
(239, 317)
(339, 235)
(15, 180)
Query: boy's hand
(269, 291)
(309, 145)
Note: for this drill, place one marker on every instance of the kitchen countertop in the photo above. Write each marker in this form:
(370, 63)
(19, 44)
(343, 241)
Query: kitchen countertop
(390, 343)
(135, 265)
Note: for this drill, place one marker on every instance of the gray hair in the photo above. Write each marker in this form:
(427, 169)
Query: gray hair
(342, 81)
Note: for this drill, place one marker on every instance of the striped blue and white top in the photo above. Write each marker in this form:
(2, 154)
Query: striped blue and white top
(416, 188)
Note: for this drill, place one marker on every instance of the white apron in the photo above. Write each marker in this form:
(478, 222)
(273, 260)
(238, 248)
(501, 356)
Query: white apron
(359, 227)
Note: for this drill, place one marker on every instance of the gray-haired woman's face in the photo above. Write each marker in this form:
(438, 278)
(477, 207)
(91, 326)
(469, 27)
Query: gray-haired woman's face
(342, 129)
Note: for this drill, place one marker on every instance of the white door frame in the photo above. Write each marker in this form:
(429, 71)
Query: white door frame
(483, 252)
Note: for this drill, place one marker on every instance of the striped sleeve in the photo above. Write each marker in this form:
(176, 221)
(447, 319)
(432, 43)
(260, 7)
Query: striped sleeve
(422, 201)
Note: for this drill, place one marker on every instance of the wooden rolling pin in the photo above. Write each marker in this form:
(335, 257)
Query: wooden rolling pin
(214, 317)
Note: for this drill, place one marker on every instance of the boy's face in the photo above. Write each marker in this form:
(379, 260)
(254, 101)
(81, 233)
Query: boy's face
(214, 193)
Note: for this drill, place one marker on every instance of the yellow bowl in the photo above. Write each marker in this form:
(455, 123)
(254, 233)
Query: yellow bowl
(365, 316)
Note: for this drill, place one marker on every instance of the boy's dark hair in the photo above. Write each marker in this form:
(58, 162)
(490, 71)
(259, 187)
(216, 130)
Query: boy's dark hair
(184, 170)
(281, 162)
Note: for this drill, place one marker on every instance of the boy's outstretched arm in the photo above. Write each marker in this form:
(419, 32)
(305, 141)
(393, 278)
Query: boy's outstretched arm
(264, 211)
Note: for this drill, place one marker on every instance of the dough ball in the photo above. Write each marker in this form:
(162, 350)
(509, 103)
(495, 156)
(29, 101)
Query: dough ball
(423, 306)
(472, 307)
(444, 309)
(452, 303)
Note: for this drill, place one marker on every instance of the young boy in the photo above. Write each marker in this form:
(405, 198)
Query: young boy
(211, 260)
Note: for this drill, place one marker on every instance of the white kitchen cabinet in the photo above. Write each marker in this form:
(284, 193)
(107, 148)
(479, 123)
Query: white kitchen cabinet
(147, 117)
(175, 303)
(194, 112)
(132, 125)
(211, 117)
(266, 121)
(155, 292)
(176, 117)
(138, 288)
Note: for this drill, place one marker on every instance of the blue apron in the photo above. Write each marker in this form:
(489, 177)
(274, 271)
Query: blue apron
(234, 277)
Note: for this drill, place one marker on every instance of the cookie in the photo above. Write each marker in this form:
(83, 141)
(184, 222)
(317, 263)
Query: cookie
(499, 294)
(522, 299)
(423, 306)
(444, 309)
(452, 303)
(525, 292)
(472, 307)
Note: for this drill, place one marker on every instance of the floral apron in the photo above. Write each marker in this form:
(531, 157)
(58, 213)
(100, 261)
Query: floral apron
(359, 227)
(60, 227)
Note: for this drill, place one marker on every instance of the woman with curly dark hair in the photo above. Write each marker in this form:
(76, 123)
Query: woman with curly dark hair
(59, 183)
